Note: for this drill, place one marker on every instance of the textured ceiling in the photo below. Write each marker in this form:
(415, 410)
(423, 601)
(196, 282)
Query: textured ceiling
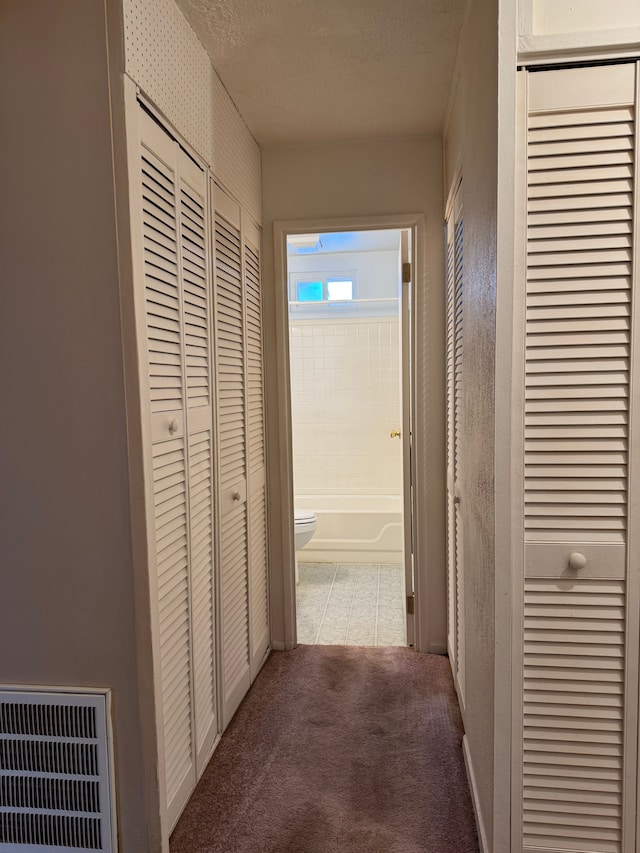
(322, 70)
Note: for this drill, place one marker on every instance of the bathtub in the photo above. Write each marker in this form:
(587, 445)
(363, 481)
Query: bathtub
(354, 529)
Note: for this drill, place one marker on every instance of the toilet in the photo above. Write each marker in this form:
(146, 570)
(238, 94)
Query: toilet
(305, 526)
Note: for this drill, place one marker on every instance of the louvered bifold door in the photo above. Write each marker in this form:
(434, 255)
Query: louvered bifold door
(580, 602)
(454, 352)
(160, 319)
(256, 462)
(452, 606)
(458, 358)
(197, 326)
(232, 453)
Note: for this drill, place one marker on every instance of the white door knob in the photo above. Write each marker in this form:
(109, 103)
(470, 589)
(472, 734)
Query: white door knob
(577, 560)
(236, 496)
(173, 426)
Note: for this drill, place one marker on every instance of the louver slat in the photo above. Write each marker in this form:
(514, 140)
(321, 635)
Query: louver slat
(173, 591)
(259, 577)
(454, 348)
(255, 379)
(235, 612)
(578, 331)
(450, 424)
(196, 297)
(580, 170)
(573, 715)
(202, 583)
(162, 285)
(232, 456)
(458, 343)
(257, 508)
(231, 383)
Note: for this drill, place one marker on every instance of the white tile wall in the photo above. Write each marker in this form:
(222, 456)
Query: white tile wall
(345, 397)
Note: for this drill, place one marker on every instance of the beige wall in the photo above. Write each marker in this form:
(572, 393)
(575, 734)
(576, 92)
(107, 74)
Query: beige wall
(67, 583)
(472, 142)
(366, 179)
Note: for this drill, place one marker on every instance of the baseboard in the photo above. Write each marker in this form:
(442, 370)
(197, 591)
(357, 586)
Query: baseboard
(280, 646)
(438, 649)
(482, 835)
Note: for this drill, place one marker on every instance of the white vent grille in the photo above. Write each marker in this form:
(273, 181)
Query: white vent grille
(54, 772)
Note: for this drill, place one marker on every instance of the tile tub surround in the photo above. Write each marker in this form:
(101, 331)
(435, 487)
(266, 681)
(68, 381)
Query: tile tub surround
(345, 400)
(351, 605)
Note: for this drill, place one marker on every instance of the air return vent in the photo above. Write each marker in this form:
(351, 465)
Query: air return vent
(55, 787)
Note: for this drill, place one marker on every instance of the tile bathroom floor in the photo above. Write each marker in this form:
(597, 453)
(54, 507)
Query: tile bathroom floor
(351, 604)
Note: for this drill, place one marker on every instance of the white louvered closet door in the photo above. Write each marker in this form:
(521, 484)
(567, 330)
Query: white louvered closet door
(232, 453)
(197, 329)
(256, 461)
(160, 313)
(577, 722)
(454, 352)
(174, 313)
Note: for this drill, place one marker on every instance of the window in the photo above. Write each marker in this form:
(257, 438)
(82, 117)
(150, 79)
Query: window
(309, 291)
(322, 287)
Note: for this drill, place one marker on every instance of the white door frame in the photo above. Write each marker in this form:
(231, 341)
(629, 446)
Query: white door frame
(284, 634)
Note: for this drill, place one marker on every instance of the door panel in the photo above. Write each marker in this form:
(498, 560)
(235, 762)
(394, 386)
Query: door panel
(232, 454)
(454, 366)
(579, 703)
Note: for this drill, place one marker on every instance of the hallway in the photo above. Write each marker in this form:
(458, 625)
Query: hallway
(338, 749)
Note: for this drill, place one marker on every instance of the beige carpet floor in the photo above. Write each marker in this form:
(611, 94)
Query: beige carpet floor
(338, 749)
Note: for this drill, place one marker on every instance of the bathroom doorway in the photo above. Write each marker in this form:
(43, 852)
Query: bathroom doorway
(349, 335)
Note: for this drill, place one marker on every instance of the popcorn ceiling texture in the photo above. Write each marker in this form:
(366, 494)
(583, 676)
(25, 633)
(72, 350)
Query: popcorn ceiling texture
(166, 60)
(332, 70)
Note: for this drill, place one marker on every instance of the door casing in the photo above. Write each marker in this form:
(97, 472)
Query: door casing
(283, 599)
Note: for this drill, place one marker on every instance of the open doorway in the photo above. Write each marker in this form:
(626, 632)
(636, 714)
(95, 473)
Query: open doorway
(349, 300)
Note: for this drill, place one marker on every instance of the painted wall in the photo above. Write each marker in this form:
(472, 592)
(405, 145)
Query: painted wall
(67, 581)
(367, 179)
(376, 271)
(165, 58)
(471, 141)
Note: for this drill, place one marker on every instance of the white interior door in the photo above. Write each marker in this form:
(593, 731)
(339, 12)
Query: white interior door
(405, 373)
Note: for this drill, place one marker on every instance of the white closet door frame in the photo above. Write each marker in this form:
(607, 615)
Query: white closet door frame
(628, 573)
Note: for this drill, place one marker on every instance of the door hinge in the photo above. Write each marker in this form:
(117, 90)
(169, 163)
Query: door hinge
(406, 273)
(411, 604)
